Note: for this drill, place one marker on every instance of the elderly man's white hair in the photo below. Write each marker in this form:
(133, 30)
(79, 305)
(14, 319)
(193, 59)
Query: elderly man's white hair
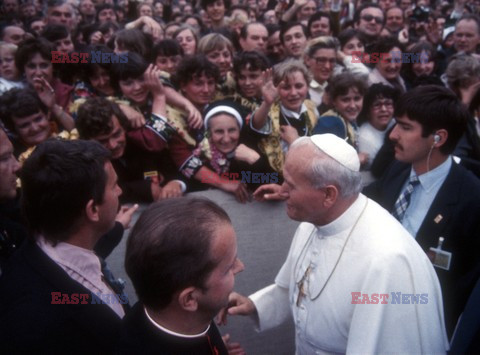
(324, 170)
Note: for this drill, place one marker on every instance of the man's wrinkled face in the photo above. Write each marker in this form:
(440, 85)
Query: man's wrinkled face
(256, 39)
(62, 15)
(466, 36)
(394, 21)
(304, 202)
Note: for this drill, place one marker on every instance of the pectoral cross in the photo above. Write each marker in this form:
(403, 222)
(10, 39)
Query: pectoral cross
(301, 285)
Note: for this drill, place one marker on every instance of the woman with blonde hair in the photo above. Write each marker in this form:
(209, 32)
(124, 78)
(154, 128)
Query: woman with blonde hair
(285, 113)
(187, 37)
(218, 49)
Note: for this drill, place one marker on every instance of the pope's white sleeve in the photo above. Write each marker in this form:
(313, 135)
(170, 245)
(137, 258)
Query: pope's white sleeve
(272, 306)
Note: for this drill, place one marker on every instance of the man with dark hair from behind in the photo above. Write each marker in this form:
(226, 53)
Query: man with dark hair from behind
(435, 199)
(182, 260)
(70, 199)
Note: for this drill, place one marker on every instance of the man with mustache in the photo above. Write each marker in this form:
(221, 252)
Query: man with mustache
(434, 198)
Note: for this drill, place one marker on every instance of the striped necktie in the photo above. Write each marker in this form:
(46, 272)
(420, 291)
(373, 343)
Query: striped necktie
(404, 200)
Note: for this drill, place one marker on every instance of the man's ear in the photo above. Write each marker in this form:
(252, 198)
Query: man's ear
(187, 299)
(91, 211)
(443, 134)
(331, 195)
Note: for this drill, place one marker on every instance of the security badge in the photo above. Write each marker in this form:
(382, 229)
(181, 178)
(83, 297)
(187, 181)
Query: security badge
(440, 258)
(151, 175)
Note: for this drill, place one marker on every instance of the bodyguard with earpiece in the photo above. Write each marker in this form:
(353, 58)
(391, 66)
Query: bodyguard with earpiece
(433, 197)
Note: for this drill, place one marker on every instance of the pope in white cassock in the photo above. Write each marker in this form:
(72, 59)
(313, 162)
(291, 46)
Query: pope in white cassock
(354, 280)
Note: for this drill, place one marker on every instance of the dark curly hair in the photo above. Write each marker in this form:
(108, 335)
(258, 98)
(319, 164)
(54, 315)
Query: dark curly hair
(95, 117)
(194, 67)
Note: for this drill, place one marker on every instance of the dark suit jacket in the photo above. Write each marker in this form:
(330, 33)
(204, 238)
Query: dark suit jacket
(30, 323)
(454, 215)
(467, 334)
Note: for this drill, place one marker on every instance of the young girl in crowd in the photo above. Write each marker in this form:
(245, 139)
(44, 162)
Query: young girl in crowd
(285, 113)
(345, 93)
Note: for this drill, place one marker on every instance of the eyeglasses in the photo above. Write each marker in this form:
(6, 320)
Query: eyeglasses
(369, 18)
(323, 60)
(379, 104)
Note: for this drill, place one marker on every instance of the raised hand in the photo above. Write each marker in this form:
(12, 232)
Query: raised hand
(124, 216)
(153, 82)
(44, 91)
(269, 91)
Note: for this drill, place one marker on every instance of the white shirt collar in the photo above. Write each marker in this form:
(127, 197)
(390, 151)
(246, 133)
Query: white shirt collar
(293, 114)
(315, 85)
(72, 257)
(428, 180)
(345, 221)
(171, 332)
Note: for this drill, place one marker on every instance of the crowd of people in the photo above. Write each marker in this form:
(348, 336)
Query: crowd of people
(362, 115)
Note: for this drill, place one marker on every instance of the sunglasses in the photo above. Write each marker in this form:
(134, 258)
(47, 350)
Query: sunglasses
(369, 18)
